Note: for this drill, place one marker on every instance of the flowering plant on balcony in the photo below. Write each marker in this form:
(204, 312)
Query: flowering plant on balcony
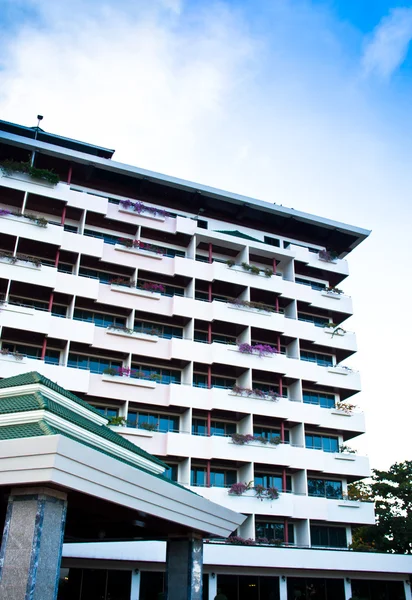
(241, 439)
(241, 391)
(13, 166)
(260, 349)
(123, 281)
(328, 255)
(139, 208)
(40, 221)
(248, 304)
(16, 355)
(270, 492)
(13, 258)
(237, 489)
(239, 541)
(345, 407)
(152, 287)
(139, 245)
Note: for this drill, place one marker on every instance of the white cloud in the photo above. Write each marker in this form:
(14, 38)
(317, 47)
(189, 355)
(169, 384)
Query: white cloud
(273, 110)
(388, 46)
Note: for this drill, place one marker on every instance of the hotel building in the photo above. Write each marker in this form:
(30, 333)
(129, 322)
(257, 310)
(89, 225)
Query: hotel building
(211, 329)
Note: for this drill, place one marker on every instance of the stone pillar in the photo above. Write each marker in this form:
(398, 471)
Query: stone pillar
(407, 588)
(32, 544)
(184, 569)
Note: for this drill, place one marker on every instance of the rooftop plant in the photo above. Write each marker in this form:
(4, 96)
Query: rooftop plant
(12, 166)
(328, 255)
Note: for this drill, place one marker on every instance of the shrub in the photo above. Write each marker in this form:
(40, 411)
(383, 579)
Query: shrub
(241, 439)
(237, 489)
(230, 263)
(268, 272)
(260, 349)
(139, 208)
(12, 166)
(149, 426)
(236, 539)
(118, 421)
(246, 266)
(152, 287)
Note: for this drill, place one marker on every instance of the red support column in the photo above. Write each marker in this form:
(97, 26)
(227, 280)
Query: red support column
(209, 377)
(56, 260)
(210, 253)
(274, 265)
(51, 301)
(283, 480)
(44, 348)
(69, 174)
(209, 333)
(280, 386)
(209, 293)
(286, 532)
(278, 344)
(277, 304)
(63, 218)
(282, 432)
(208, 473)
(209, 423)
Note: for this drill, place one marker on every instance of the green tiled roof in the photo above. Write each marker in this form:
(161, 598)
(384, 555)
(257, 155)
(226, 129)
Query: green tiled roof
(34, 377)
(37, 401)
(239, 234)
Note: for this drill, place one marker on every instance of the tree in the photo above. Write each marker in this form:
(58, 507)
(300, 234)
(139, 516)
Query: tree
(392, 493)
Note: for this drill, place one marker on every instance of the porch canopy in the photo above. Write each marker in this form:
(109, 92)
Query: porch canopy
(65, 476)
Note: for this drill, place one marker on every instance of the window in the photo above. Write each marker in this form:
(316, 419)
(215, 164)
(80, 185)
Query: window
(157, 421)
(331, 537)
(165, 331)
(171, 473)
(322, 442)
(92, 363)
(315, 319)
(202, 224)
(200, 380)
(52, 357)
(273, 481)
(323, 360)
(324, 488)
(102, 276)
(71, 228)
(273, 530)
(315, 589)
(218, 477)
(271, 241)
(106, 237)
(315, 285)
(320, 398)
(98, 318)
(269, 432)
(107, 411)
(199, 427)
(158, 374)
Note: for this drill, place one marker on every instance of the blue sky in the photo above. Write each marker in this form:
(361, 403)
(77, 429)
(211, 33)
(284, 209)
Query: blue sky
(306, 103)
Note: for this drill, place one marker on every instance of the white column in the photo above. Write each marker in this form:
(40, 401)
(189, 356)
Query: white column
(348, 588)
(407, 588)
(283, 588)
(212, 586)
(135, 587)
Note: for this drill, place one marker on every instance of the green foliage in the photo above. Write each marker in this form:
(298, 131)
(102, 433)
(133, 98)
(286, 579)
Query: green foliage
(118, 421)
(392, 492)
(12, 166)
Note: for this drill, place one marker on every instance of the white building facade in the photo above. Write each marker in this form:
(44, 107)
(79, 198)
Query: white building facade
(211, 328)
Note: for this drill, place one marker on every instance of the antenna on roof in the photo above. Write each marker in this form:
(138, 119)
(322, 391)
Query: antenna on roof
(39, 118)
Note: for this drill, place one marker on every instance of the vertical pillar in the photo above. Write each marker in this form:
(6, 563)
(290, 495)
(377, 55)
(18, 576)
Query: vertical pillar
(209, 423)
(184, 569)
(210, 253)
(209, 377)
(282, 432)
(407, 588)
(280, 386)
(135, 586)
(43, 349)
(209, 332)
(63, 217)
(348, 588)
(212, 586)
(274, 265)
(278, 344)
(56, 260)
(286, 531)
(32, 543)
(283, 588)
(209, 293)
(208, 473)
(51, 301)
(277, 307)
(284, 480)
(69, 174)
